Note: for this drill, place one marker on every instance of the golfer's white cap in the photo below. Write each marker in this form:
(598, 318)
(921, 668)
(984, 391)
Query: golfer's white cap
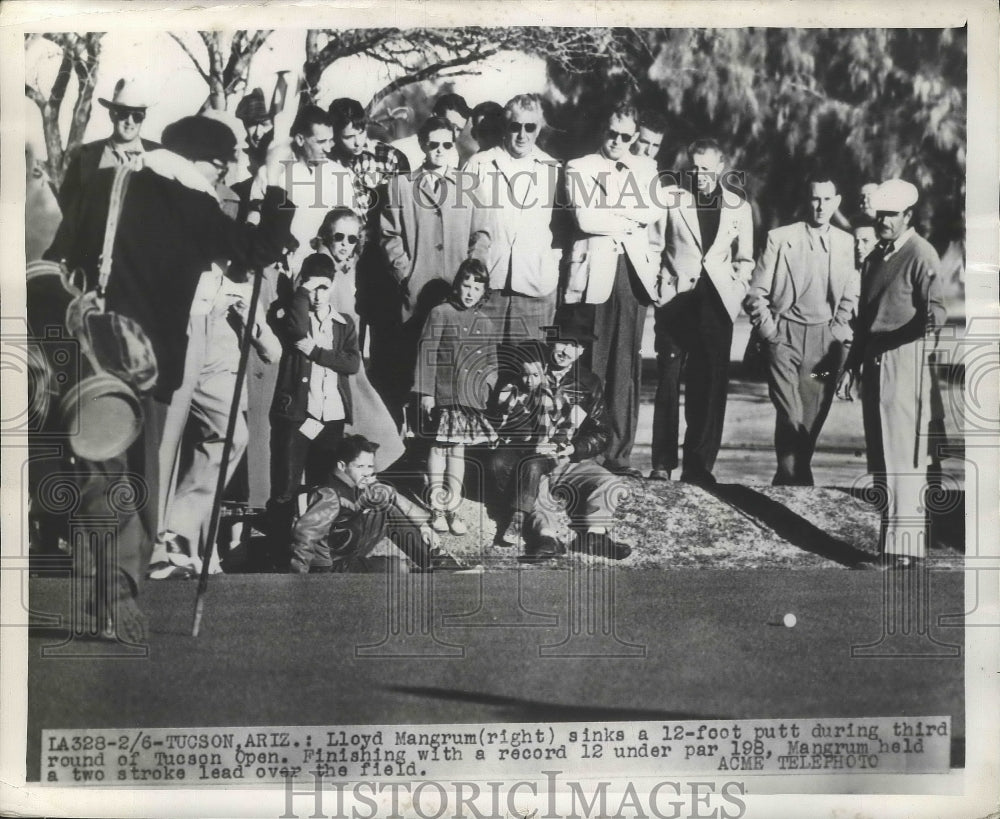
(894, 195)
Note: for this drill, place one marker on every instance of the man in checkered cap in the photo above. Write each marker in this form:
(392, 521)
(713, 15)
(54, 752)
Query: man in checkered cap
(899, 315)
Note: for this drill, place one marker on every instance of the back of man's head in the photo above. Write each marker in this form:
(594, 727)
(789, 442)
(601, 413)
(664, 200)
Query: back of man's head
(451, 102)
(200, 139)
(306, 118)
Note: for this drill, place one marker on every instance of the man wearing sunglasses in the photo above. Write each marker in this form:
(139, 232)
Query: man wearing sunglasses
(614, 266)
(425, 234)
(127, 110)
(512, 189)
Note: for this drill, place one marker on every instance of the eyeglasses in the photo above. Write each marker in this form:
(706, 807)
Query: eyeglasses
(122, 114)
(433, 146)
(626, 138)
(517, 127)
(352, 238)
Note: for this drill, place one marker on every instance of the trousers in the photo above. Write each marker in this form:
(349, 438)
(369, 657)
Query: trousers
(803, 364)
(694, 336)
(895, 403)
(616, 359)
(585, 490)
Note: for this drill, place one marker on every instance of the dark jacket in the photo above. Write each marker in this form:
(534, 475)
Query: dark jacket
(341, 526)
(291, 393)
(167, 236)
(81, 169)
(581, 388)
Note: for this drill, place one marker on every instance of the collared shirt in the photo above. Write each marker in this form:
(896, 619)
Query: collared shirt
(709, 213)
(898, 243)
(811, 305)
(325, 403)
(118, 153)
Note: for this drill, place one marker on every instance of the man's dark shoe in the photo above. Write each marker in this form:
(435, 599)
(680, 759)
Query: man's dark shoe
(659, 475)
(542, 548)
(625, 471)
(513, 533)
(698, 478)
(442, 561)
(600, 545)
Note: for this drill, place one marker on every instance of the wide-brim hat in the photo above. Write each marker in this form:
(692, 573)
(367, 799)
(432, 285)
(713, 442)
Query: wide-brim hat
(252, 108)
(894, 196)
(572, 323)
(200, 139)
(127, 94)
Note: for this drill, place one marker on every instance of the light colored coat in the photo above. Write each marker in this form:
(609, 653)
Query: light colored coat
(728, 262)
(512, 203)
(613, 210)
(425, 235)
(778, 278)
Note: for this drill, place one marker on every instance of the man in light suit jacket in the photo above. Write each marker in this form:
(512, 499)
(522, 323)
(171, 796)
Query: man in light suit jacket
(614, 266)
(511, 190)
(707, 262)
(802, 295)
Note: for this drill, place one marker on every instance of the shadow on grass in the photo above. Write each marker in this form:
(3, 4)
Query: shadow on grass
(789, 525)
(534, 711)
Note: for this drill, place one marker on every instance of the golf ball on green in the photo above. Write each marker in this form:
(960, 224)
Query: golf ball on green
(789, 620)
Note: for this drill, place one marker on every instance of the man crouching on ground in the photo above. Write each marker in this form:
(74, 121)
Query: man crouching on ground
(589, 492)
(349, 516)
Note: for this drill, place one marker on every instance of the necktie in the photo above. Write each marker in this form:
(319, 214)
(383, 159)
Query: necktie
(886, 247)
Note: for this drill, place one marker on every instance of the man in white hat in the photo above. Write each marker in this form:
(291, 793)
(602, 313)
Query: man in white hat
(127, 110)
(899, 312)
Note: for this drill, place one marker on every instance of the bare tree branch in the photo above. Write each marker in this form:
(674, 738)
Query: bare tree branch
(426, 73)
(188, 51)
(35, 96)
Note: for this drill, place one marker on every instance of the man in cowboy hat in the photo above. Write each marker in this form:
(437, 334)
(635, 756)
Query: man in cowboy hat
(899, 313)
(127, 110)
(578, 399)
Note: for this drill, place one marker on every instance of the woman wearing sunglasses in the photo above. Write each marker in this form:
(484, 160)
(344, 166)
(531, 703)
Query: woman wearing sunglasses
(341, 237)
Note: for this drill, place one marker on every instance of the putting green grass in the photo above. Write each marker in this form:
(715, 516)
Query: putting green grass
(705, 644)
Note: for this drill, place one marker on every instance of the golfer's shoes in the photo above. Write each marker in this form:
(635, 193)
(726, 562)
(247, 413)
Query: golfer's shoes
(170, 561)
(600, 545)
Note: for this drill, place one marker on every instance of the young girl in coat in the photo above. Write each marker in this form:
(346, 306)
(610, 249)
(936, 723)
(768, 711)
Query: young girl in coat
(455, 373)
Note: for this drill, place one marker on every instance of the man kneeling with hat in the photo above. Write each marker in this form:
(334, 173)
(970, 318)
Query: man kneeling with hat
(578, 396)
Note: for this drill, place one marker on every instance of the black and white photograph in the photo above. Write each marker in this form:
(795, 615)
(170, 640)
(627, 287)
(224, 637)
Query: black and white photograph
(582, 410)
